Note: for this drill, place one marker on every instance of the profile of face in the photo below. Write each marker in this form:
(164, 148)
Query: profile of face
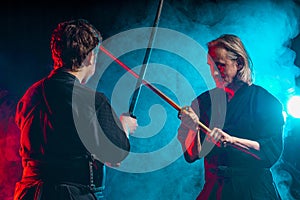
(223, 69)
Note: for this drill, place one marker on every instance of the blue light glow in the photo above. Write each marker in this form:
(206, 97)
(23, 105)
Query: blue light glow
(293, 106)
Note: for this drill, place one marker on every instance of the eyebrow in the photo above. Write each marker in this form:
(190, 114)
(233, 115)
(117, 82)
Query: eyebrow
(218, 63)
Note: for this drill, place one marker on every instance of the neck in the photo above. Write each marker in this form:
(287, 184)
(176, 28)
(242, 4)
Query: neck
(232, 88)
(78, 74)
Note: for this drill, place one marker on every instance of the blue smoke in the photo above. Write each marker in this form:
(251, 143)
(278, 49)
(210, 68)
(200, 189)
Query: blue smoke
(266, 27)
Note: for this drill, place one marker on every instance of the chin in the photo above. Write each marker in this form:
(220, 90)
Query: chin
(225, 84)
(220, 84)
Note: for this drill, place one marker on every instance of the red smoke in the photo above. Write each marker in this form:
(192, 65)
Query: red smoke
(10, 161)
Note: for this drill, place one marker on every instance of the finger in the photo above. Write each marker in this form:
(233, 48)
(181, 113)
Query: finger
(216, 134)
(189, 119)
(213, 133)
(218, 137)
(187, 109)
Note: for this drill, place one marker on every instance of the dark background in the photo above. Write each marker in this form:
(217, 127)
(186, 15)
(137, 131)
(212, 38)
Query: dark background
(26, 30)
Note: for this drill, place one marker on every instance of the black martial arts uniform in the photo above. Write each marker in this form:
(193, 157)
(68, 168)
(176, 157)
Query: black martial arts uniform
(57, 117)
(231, 174)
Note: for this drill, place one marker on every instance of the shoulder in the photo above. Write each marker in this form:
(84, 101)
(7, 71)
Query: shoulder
(33, 90)
(262, 92)
(259, 89)
(266, 98)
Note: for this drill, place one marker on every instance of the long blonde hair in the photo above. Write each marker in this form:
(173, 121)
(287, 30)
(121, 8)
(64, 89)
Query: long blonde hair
(236, 51)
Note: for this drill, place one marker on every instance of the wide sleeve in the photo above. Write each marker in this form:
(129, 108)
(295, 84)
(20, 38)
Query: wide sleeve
(269, 125)
(114, 142)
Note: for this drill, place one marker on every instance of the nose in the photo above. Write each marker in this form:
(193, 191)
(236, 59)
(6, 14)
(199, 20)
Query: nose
(216, 72)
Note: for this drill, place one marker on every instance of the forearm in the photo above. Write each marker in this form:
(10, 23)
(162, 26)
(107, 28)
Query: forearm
(191, 146)
(245, 143)
(218, 134)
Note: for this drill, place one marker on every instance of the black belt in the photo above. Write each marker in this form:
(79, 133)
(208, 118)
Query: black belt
(225, 171)
(84, 171)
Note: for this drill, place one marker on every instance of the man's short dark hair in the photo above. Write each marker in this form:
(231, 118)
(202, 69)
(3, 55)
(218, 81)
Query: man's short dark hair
(72, 41)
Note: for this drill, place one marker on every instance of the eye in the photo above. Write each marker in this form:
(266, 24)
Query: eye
(220, 65)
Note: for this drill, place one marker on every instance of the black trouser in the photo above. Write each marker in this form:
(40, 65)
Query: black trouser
(61, 181)
(39, 190)
(229, 183)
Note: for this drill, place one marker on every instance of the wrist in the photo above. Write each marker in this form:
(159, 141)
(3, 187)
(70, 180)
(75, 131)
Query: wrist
(126, 129)
(233, 140)
(194, 127)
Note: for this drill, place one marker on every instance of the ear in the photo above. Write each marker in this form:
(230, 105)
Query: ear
(240, 63)
(88, 60)
(239, 67)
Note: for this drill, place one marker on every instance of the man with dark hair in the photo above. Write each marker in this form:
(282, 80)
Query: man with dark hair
(62, 121)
